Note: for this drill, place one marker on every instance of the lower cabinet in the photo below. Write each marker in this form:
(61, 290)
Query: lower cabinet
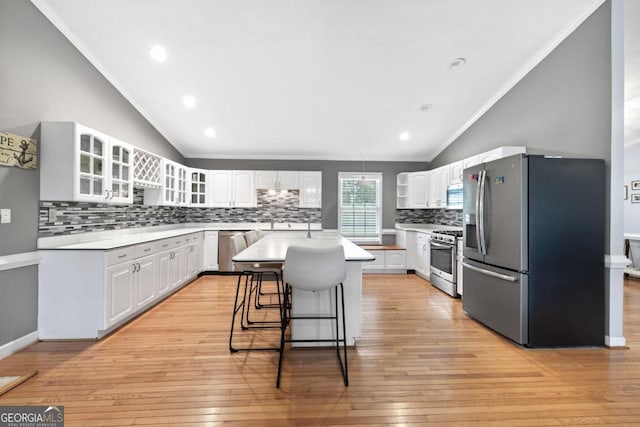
(119, 293)
(386, 261)
(145, 278)
(210, 251)
(423, 255)
(88, 293)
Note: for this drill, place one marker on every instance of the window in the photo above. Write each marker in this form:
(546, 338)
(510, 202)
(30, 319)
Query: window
(360, 206)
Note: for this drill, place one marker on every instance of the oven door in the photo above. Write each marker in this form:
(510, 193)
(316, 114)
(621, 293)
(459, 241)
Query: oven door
(443, 261)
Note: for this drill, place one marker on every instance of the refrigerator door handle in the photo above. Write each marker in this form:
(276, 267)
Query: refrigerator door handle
(481, 190)
(490, 273)
(478, 212)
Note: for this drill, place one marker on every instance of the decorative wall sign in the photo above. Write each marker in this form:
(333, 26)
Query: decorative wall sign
(19, 151)
(635, 185)
(635, 198)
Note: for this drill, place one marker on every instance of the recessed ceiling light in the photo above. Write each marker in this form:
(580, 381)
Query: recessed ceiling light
(158, 53)
(404, 136)
(426, 107)
(189, 101)
(210, 132)
(457, 63)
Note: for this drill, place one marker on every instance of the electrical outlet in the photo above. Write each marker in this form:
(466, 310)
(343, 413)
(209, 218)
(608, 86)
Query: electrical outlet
(53, 215)
(5, 216)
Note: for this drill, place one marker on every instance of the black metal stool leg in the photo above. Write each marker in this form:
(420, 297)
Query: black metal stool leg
(284, 324)
(235, 312)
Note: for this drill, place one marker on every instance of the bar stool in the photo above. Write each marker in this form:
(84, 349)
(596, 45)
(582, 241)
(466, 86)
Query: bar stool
(314, 270)
(252, 237)
(249, 272)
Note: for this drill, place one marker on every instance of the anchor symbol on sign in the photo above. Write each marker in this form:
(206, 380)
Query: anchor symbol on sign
(22, 158)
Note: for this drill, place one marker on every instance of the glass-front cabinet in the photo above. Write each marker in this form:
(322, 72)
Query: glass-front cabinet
(121, 190)
(93, 157)
(84, 165)
(198, 187)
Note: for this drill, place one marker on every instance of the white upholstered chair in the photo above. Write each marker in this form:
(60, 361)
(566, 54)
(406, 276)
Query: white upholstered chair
(314, 270)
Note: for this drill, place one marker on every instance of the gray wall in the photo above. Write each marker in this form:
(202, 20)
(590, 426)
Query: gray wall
(561, 107)
(631, 173)
(43, 77)
(330, 171)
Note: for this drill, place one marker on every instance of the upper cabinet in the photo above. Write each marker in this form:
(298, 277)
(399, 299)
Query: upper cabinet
(310, 190)
(402, 190)
(277, 180)
(438, 182)
(418, 189)
(428, 189)
(455, 172)
(84, 165)
(198, 184)
(232, 189)
(147, 169)
(500, 153)
(173, 191)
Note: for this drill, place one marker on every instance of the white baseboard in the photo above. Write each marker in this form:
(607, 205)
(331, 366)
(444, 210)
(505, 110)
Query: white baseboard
(16, 345)
(614, 341)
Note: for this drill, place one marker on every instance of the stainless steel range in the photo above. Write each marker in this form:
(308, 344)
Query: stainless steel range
(443, 260)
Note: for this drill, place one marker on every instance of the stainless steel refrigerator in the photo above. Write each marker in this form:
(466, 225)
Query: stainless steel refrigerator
(533, 232)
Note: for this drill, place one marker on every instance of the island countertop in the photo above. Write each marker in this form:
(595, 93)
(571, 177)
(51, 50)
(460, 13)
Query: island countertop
(273, 247)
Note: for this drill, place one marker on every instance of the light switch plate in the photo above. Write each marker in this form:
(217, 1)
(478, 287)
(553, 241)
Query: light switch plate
(5, 216)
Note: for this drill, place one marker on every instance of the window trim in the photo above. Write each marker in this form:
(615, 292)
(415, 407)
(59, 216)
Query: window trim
(378, 176)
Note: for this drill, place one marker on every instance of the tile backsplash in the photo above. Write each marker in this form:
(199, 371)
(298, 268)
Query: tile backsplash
(429, 216)
(80, 217)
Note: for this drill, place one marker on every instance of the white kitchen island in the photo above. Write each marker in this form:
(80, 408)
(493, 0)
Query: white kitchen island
(273, 248)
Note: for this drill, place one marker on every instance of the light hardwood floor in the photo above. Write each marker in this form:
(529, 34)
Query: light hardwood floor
(421, 361)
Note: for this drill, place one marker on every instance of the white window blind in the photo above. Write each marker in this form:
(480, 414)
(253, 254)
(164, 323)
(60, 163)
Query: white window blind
(360, 206)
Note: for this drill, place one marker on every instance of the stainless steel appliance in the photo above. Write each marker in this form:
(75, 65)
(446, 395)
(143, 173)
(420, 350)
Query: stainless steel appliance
(225, 251)
(443, 260)
(533, 233)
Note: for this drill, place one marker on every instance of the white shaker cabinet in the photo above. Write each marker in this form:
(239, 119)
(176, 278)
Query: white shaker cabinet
(232, 189)
(145, 280)
(277, 180)
(455, 172)
(310, 190)
(88, 293)
(119, 292)
(81, 164)
(423, 255)
(418, 189)
(438, 182)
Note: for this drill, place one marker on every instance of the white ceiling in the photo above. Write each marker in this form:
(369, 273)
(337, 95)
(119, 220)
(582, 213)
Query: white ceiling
(315, 79)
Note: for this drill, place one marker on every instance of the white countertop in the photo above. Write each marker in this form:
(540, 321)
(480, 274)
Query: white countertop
(107, 240)
(632, 236)
(273, 247)
(425, 228)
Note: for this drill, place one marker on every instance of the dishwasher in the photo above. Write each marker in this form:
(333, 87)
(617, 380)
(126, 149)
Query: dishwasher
(225, 251)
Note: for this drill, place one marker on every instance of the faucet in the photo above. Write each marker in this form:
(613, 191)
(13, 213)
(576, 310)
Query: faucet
(309, 227)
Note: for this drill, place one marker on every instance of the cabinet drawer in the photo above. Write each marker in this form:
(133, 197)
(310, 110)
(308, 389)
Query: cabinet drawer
(165, 245)
(146, 249)
(120, 255)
